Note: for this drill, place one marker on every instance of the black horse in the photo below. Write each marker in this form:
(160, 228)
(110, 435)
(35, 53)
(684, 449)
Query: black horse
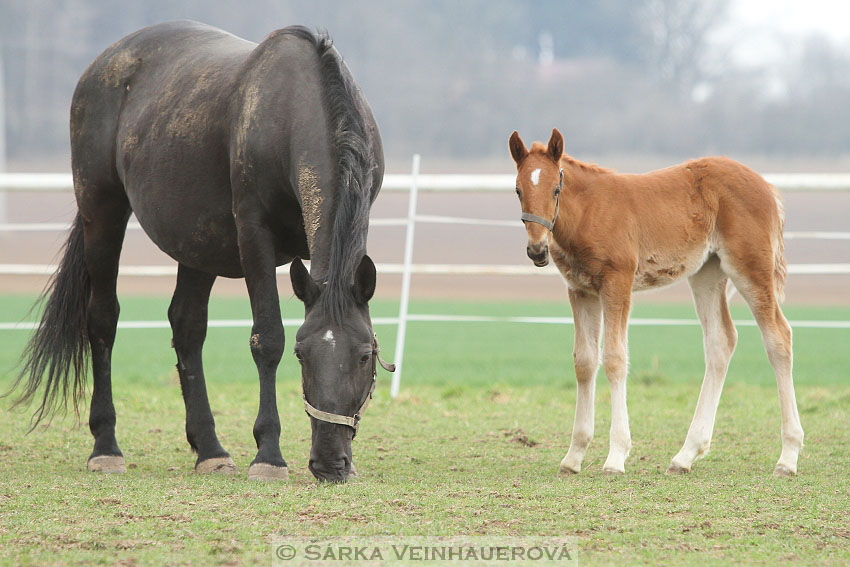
(236, 158)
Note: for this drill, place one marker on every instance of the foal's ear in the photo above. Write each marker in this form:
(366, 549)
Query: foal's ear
(302, 284)
(518, 149)
(555, 149)
(364, 280)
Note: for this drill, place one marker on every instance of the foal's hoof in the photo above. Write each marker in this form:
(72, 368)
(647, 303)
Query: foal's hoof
(265, 471)
(107, 464)
(566, 470)
(218, 465)
(607, 471)
(677, 469)
(782, 470)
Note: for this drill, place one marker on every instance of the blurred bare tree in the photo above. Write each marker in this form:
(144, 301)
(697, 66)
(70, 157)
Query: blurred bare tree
(452, 79)
(678, 38)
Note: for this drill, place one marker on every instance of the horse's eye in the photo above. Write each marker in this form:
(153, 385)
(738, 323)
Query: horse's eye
(298, 355)
(365, 358)
(517, 193)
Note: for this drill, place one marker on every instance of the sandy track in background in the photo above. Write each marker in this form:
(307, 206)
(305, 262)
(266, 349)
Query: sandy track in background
(452, 244)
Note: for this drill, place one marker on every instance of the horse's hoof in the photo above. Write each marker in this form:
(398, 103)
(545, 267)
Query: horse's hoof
(676, 469)
(265, 471)
(783, 471)
(608, 471)
(218, 465)
(110, 464)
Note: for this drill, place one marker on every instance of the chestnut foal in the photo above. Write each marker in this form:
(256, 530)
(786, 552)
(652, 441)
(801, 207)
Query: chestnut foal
(710, 220)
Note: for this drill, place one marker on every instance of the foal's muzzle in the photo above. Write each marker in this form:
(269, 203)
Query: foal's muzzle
(539, 254)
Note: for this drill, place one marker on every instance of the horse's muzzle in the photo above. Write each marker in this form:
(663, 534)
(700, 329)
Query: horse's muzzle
(330, 472)
(539, 254)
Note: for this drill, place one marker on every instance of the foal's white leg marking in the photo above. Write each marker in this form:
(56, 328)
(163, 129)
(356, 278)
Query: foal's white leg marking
(781, 358)
(535, 176)
(587, 313)
(719, 338)
(616, 361)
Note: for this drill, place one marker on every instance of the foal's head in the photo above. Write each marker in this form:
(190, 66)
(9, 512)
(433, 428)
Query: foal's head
(338, 363)
(539, 182)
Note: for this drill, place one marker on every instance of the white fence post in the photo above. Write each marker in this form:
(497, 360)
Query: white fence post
(2, 136)
(405, 277)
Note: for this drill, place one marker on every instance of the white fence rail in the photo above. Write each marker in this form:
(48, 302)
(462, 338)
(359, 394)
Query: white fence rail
(24, 182)
(61, 182)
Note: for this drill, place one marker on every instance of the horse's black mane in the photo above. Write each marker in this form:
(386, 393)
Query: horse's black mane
(354, 171)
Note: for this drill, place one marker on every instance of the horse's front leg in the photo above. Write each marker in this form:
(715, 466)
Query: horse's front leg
(257, 252)
(587, 317)
(616, 302)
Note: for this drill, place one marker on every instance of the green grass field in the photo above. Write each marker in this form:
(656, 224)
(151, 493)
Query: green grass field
(471, 446)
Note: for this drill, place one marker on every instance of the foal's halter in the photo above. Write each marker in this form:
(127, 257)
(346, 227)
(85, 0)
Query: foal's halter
(549, 224)
(353, 421)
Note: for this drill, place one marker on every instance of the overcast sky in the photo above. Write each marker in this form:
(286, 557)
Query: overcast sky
(764, 30)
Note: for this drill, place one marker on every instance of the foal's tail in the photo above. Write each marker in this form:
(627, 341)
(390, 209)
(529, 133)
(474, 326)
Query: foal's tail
(57, 353)
(780, 267)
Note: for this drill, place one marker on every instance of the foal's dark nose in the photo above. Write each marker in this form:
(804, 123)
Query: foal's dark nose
(539, 253)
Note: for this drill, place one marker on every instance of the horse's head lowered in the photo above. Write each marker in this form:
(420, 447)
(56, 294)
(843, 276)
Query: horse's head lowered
(539, 183)
(338, 368)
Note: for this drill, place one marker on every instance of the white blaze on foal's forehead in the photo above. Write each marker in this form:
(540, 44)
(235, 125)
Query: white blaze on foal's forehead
(535, 176)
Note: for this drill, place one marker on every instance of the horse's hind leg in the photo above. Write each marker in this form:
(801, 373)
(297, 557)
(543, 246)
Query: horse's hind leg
(188, 317)
(754, 279)
(587, 315)
(719, 339)
(104, 221)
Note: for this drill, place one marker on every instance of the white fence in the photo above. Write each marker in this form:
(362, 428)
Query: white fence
(21, 182)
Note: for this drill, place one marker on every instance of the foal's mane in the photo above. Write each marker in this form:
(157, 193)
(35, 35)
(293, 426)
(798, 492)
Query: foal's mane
(584, 166)
(353, 178)
(540, 148)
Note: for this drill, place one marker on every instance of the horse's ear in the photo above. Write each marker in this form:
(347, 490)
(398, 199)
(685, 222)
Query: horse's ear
(518, 149)
(302, 284)
(364, 280)
(555, 149)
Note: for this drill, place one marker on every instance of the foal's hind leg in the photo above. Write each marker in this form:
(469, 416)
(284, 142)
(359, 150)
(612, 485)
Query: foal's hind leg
(756, 285)
(719, 339)
(587, 315)
(188, 317)
(105, 220)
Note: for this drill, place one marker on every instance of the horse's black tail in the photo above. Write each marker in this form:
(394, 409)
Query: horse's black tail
(57, 353)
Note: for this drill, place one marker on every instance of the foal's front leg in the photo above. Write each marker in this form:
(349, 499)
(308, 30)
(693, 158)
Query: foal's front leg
(587, 317)
(616, 302)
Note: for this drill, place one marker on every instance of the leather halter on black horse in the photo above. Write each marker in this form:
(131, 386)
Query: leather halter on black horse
(549, 224)
(353, 421)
